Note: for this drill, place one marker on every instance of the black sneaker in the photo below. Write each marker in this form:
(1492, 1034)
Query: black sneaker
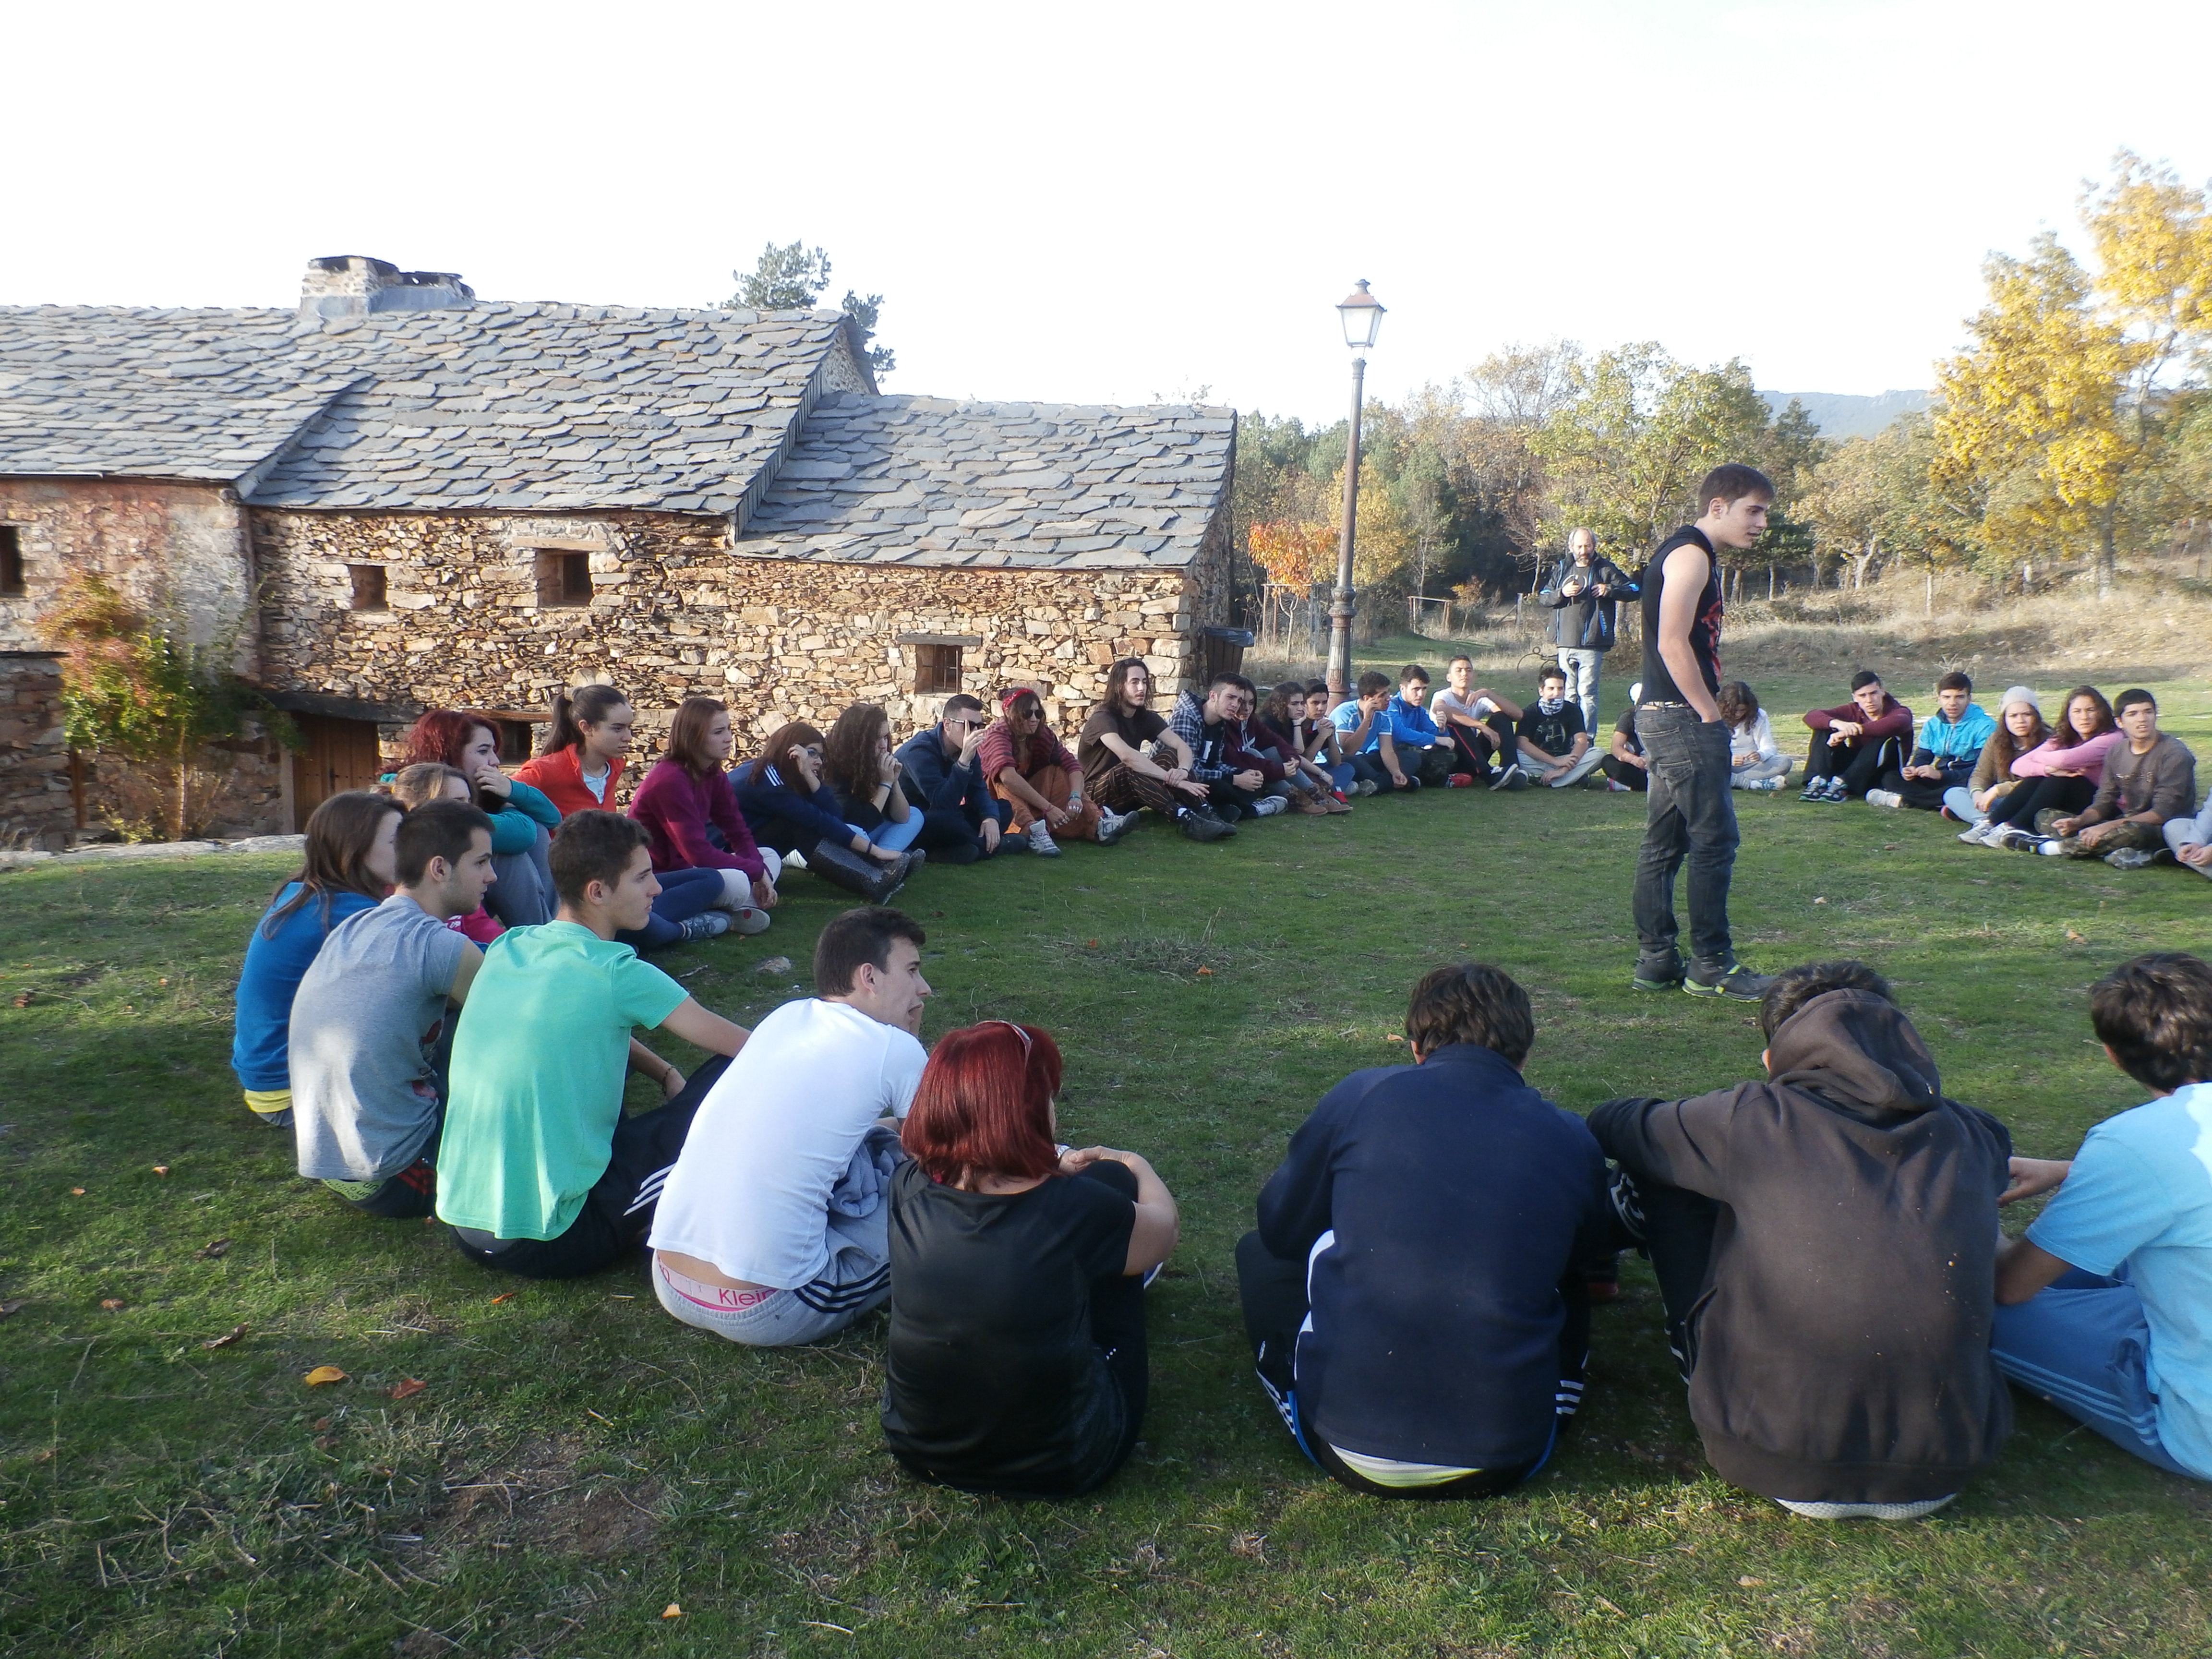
(1815, 789)
(1202, 826)
(1658, 975)
(1735, 983)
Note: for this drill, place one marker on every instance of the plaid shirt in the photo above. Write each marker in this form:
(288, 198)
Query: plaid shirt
(1208, 756)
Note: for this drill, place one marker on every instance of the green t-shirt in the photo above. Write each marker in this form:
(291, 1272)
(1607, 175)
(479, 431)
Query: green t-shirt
(539, 1059)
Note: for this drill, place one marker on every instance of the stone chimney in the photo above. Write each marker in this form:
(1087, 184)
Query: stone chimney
(347, 285)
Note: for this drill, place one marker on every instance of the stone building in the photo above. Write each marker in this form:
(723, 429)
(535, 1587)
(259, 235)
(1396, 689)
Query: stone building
(400, 496)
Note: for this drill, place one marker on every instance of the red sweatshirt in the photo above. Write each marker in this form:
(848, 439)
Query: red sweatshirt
(676, 805)
(1894, 721)
(559, 778)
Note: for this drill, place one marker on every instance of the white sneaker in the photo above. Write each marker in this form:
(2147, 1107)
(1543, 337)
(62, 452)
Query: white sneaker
(1041, 840)
(1973, 832)
(1883, 798)
(1267, 807)
(750, 920)
(1112, 826)
(1768, 785)
(2052, 848)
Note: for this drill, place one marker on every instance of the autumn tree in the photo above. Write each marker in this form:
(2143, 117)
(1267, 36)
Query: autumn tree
(792, 278)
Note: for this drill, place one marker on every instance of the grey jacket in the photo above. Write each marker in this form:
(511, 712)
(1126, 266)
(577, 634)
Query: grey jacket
(1579, 622)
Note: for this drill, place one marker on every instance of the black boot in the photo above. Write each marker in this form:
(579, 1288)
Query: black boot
(872, 879)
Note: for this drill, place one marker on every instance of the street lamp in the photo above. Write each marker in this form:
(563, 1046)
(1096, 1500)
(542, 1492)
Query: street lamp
(1362, 314)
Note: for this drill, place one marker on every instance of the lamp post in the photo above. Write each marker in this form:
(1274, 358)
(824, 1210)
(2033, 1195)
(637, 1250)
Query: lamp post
(1361, 315)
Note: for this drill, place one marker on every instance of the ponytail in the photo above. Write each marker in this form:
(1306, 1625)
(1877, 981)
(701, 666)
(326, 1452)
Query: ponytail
(572, 711)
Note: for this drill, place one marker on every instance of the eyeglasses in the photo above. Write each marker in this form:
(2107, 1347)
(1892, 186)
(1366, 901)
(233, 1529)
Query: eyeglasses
(812, 751)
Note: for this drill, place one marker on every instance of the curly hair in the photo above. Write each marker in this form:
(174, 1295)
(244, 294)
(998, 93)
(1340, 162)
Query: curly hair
(849, 756)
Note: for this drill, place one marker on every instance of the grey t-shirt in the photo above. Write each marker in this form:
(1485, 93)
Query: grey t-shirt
(365, 1022)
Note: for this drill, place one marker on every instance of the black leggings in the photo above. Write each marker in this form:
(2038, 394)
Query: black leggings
(2019, 804)
(1860, 767)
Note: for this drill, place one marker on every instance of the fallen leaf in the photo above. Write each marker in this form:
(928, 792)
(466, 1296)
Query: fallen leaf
(13, 1305)
(1820, 901)
(1393, 1037)
(407, 1386)
(322, 1423)
(160, 1169)
(111, 1302)
(2073, 938)
(506, 1296)
(221, 1247)
(323, 1374)
(165, 981)
(1090, 943)
(76, 1192)
(1750, 1584)
(1206, 972)
(672, 1611)
(226, 1339)
(23, 998)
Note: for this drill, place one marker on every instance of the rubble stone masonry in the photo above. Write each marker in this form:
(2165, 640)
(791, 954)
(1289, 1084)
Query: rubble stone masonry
(37, 808)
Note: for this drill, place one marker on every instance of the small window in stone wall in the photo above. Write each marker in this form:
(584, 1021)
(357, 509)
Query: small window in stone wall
(11, 562)
(564, 578)
(514, 741)
(369, 593)
(937, 668)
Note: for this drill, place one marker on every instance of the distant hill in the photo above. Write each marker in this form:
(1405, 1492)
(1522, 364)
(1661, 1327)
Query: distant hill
(1847, 415)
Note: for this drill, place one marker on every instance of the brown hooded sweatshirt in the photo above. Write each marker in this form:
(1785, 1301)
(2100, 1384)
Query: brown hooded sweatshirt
(1842, 1344)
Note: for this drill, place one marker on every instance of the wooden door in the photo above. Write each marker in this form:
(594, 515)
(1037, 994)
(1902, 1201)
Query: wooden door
(340, 755)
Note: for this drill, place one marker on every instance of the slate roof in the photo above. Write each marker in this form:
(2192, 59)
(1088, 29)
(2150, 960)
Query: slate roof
(503, 406)
(927, 481)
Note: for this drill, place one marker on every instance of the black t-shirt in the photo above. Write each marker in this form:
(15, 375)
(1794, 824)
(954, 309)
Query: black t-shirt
(1626, 726)
(1704, 626)
(1554, 735)
(1135, 729)
(992, 1377)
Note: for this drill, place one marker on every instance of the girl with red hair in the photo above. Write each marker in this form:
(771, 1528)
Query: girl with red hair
(1017, 1361)
(522, 818)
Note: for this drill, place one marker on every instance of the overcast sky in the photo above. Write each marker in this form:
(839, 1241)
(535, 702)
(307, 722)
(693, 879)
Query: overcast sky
(1112, 203)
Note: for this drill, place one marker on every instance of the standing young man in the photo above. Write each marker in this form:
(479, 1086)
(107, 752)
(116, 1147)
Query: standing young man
(1583, 593)
(1692, 810)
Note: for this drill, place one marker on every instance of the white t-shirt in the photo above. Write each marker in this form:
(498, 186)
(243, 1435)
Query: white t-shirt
(1758, 741)
(750, 1190)
(1447, 701)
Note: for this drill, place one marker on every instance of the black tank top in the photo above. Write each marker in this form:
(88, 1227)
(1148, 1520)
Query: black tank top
(1704, 627)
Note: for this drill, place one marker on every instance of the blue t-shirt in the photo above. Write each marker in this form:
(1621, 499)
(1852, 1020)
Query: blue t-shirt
(266, 984)
(1346, 718)
(2141, 1195)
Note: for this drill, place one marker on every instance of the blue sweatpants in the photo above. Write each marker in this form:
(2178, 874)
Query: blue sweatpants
(2081, 1344)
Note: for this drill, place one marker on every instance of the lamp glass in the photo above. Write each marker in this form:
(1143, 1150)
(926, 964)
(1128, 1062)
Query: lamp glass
(1362, 318)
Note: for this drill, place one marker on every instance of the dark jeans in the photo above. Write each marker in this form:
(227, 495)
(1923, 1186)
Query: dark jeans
(1229, 802)
(1692, 815)
(1633, 777)
(1859, 765)
(1369, 769)
(618, 1211)
(523, 896)
(1432, 765)
(1922, 793)
(1274, 1291)
(950, 838)
(1677, 1227)
(684, 894)
(2019, 804)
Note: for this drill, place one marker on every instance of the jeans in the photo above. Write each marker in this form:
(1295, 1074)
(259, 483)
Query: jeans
(1581, 668)
(2081, 1344)
(684, 894)
(1692, 815)
(1860, 767)
(949, 837)
(2189, 832)
(897, 837)
(1959, 802)
(521, 895)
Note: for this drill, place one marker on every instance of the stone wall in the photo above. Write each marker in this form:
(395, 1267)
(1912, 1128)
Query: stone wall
(38, 809)
(163, 544)
(673, 613)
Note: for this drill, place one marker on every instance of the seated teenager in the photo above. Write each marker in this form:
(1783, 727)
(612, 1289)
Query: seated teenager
(1625, 765)
(369, 1022)
(1825, 1242)
(1316, 739)
(961, 821)
(539, 1174)
(522, 819)
(774, 1227)
(1854, 744)
(1413, 1293)
(2190, 839)
(1041, 783)
(1554, 749)
(690, 812)
(419, 785)
(588, 744)
(1291, 739)
(789, 810)
(2106, 1306)
(859, 769)
(1260, 744)
(2059, 776)
(1949, 747)
(1422, 745)
(1480, 721)
(348, 867)
(1212, 729)
(1017, 1359)
(1365, 734)
(1122, 777)
(2149, 779)
(2020, 730)
(1757, 760)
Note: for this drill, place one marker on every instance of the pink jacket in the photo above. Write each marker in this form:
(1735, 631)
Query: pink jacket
(676, 807)
(2086, 757)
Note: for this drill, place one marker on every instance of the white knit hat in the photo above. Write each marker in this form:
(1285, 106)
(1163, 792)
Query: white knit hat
(2018, 694)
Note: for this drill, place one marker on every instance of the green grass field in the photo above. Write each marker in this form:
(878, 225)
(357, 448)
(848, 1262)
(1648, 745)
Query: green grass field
(578, 1462)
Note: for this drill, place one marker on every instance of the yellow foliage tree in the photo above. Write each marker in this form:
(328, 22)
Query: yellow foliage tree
(1295, 552)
